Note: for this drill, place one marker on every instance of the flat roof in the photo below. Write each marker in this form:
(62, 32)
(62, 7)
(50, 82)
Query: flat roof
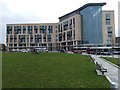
(30, 23)
(83, 7)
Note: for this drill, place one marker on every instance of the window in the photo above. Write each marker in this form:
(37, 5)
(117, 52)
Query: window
(18, 29)
(40, 36)
(64, 36)
(109, 28)
(109, 42)
(11, 39)
(107, 17)
(49, 29)
(10, 45)
(74, 42)
(37, 40)
(23, 36)
(35, 29)
(20, 45)
(56, 38)
(49, 35)
(27, 40)
(15, 30)
(40, 40)
(36, 36)
(23, 39)
(74, 35)
(11, 36)
(29, 29)
(7, 39)
(65, 25)
(49, 38)
(74, 22)
(108, 22)
(60, 37)
(109, 35)
(44, 38)
(31, 44)
(69, 35)
(15, 40)
(15, 45)
(9, 29)
(31, 40)
(109, 31)
(70, 24)
(24, 29)
(42, 29)
(59, 28)
(31, 36)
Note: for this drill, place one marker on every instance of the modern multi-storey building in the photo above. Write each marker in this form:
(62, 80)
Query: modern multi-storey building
(108, 28)
(21, 36)
(86, 26)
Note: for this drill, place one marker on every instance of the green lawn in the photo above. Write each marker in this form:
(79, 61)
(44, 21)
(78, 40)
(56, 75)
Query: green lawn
(50, 70)
(113, 60)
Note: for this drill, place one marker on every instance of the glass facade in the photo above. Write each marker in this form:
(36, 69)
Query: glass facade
(91, 25)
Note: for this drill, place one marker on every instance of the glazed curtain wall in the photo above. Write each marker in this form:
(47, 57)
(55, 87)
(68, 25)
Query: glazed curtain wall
(92, 25)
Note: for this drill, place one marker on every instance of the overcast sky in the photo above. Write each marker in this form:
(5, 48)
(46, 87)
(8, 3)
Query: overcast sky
(43, 11)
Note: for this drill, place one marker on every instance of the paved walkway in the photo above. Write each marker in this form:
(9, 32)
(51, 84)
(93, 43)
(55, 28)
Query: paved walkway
(115, 56)
(112, 72)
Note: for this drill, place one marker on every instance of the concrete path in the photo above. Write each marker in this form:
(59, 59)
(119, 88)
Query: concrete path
(115, 56)
(113, 73)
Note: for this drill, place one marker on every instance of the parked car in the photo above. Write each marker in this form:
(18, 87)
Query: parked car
(29, 50)
(106, 53)
(17, 50)
(24, 50)
(77, 51)
(62, 50)
(117, 52)
(70, 52)
(13, 50)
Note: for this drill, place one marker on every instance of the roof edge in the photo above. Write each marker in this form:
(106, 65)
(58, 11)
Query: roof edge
(84, 6)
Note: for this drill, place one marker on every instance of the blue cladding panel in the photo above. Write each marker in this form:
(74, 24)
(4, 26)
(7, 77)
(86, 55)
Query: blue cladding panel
(92, 25)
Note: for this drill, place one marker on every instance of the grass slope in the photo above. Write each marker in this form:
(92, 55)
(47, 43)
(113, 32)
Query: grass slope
(113, 60)
(50, 70)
